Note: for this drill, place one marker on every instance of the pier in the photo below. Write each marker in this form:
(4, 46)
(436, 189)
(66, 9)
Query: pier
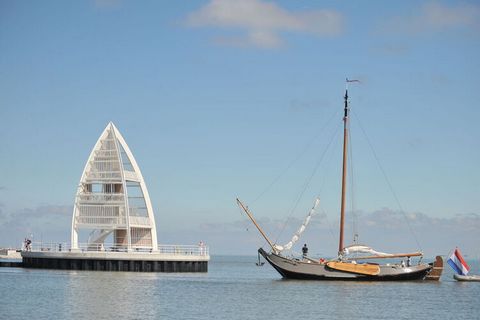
(168, 258)
(113, 223)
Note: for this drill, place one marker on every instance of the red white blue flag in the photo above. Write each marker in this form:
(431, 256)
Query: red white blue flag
(457, 263)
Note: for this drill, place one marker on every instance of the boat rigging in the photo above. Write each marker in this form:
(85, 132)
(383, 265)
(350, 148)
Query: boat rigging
(345, 267)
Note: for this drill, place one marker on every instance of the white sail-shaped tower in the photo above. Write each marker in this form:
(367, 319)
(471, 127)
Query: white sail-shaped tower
(113, 226)
(112, 200)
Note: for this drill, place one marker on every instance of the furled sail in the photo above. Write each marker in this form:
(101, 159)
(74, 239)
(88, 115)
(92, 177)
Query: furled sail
(363, 249)
(300, 230)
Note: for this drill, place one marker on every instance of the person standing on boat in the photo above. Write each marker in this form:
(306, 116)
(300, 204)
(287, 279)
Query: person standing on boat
(305, 250)
(409, 261)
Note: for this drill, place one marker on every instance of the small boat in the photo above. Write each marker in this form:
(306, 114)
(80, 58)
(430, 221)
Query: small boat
(460, 266)
(460, 277)
(348, 265)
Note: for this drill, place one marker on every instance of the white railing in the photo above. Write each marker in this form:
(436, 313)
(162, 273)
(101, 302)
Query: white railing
(130, 175)
(139, 221)
(104, 175)
(101, 221)
(176, 250)
(100, 197)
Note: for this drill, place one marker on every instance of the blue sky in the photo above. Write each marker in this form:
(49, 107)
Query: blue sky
(217, 98)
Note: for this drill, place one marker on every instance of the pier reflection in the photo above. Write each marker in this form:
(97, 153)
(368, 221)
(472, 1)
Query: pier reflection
(105, 295)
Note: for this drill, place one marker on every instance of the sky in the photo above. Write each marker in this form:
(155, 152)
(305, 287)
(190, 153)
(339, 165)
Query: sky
(223, 99)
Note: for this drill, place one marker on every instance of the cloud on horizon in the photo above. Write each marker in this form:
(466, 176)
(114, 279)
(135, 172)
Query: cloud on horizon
(436, 17)
(384, 229)
(50, 222)
(263, 22)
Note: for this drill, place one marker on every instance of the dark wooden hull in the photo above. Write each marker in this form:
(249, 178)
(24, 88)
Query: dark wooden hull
(296, 269)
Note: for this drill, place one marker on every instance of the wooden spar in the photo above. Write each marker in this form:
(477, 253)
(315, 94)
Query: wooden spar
(344, 173)
(256, 224)
(396, 255)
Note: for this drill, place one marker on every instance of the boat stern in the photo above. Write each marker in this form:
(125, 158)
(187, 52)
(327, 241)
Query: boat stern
(436, 271)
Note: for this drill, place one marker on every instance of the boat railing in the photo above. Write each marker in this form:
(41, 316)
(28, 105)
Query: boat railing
(163, 249)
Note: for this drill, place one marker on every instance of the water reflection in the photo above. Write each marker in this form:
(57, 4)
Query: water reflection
(234, 288)
(107, 295)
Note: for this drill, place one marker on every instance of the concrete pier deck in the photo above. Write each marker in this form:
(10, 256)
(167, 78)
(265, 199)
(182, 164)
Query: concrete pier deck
(169, 258)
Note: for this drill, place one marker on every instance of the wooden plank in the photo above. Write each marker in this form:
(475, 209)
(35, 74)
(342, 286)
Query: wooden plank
(367, 269)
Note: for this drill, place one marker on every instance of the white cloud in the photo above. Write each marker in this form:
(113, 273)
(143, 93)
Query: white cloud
(263, 22)
(50, 221)
(435, 17)
(384, 229)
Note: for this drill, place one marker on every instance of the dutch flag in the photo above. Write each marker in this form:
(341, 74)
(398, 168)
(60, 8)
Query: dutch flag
(457, 263)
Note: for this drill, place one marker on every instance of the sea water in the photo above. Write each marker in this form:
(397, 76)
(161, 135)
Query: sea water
(234, 288)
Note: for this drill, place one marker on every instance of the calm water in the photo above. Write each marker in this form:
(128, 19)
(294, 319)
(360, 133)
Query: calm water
(234, 288)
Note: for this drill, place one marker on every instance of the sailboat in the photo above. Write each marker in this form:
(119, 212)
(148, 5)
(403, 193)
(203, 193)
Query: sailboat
(348, 265)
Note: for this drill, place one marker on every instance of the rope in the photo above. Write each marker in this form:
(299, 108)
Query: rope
(334, 238)
(388, 182)
(307, 182)
(246, 224)
(304, 150)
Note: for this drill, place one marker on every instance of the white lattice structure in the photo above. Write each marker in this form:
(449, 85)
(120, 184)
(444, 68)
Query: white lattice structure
(112, 198)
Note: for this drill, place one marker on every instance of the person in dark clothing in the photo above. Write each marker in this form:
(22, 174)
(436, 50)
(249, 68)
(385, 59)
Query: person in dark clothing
(305, 250)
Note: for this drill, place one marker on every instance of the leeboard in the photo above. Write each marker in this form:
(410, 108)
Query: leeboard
(437, 270)
(367, 269)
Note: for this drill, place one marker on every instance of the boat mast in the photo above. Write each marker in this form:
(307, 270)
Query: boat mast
(344, 172)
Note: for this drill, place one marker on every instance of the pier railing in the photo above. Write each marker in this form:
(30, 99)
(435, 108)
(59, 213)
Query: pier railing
(169, 249)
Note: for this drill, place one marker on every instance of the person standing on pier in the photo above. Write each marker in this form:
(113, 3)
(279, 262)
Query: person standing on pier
(201, 246)
(28, 244)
